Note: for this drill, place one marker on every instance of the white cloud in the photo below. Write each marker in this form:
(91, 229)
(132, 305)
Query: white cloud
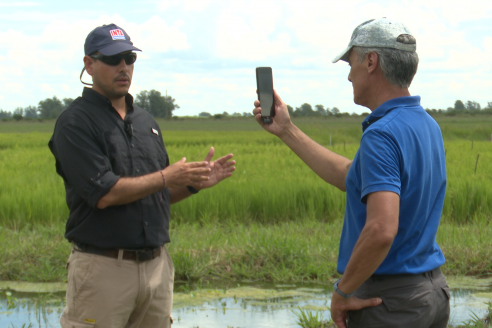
(14, 87)
(164, 5)
(47, 88)
(155, 35)
(302, 35)
(245, 33)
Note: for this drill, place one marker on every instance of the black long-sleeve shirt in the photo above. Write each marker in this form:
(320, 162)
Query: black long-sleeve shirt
(94, 147)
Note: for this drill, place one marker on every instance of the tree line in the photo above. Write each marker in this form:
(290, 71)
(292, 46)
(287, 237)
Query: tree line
(469, 107)
(163, 106)
(50, 108)
(301, 111)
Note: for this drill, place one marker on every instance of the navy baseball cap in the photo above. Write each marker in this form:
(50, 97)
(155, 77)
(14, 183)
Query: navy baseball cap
(109, 40)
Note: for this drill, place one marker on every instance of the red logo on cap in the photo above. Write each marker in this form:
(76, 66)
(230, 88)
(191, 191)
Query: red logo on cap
(117, 34)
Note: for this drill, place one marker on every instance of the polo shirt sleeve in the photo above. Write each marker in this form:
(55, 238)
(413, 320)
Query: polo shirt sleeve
(82, 163)
(380, 159)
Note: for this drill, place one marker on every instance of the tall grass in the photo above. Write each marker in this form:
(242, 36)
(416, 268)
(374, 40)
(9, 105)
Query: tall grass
(270, 185)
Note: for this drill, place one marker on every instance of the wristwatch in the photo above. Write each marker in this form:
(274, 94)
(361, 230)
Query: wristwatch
(192, 190)
(339, 292)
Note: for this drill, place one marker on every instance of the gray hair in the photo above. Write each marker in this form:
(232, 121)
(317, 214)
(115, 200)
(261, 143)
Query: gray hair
(398, 66)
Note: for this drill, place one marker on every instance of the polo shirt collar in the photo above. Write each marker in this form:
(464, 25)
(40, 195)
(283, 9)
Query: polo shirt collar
(387, 107)
(98, 99)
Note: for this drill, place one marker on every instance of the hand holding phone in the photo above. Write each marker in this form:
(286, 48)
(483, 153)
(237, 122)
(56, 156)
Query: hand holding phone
(264, 84)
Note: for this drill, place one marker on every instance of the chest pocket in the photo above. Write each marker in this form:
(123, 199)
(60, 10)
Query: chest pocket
(116, 149)
(149, 152)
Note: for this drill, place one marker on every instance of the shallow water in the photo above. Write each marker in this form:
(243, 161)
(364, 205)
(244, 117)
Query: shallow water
(228, 304)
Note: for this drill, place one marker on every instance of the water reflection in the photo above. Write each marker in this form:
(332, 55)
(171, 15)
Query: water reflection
(229, 304)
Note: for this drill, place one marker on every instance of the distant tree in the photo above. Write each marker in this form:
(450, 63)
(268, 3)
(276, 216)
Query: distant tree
(218, 116)
(290, 109)
(458, 105)
(225, 114)
(304, 110)
(204, 114)
(320, 109)
(472, 105)
(18, 111)
(489, 104)
(246, 114)
(156, 104)
(31, 112)
(17, 117)
(235, 114)
(67, 102)
(335, 111)
(5, 114)
(50, 107)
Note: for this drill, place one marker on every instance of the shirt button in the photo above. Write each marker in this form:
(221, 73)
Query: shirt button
(138, 170)
(133, 146)
(146, 223)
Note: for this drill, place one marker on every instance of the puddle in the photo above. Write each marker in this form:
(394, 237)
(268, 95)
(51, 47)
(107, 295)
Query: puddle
(229, 304)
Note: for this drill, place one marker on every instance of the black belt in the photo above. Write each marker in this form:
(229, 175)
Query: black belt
(139, 255)
(428, 274)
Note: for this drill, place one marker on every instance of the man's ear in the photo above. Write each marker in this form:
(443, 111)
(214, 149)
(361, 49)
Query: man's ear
(372, 62)
(89, 65)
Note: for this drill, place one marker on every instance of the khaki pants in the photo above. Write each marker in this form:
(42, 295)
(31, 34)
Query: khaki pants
(114, 293)
(409, 301)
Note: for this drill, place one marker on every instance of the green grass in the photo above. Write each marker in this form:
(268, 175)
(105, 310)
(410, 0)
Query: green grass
(274, 219)
(288, 251)
(270, 185)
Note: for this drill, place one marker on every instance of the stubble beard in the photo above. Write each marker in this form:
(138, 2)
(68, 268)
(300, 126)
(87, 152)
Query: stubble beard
(109, 91)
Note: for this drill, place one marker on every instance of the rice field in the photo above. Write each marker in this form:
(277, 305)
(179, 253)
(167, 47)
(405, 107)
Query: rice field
(273, 220)
(270, 184)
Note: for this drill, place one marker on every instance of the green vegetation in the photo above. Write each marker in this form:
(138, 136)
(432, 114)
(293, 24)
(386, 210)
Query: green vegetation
(306, 319)
(274, 219)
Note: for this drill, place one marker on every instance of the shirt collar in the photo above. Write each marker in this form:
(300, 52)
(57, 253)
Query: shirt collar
(387, 107)
(98, 99)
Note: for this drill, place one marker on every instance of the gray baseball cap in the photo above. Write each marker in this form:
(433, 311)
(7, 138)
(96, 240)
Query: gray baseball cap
(380, 33)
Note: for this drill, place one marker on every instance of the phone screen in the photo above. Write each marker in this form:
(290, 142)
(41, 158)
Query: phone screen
(264, 82)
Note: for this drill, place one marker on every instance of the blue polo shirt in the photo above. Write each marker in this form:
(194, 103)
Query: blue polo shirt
(401, 151)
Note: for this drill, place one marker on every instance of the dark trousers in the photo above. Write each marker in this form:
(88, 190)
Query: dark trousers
(409, 301)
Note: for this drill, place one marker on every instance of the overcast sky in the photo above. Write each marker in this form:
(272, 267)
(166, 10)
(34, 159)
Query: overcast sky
(204, 53)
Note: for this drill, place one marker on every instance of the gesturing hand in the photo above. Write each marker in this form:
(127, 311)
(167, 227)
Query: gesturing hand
(181, 174)
(340, 307)
(219, 169)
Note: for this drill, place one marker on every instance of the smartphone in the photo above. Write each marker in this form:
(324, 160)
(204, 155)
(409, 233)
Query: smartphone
(264, 85)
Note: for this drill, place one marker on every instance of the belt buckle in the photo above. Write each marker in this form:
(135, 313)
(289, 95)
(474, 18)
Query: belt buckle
(141, 255)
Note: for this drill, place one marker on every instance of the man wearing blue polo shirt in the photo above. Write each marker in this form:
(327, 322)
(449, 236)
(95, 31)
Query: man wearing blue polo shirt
(395, 186)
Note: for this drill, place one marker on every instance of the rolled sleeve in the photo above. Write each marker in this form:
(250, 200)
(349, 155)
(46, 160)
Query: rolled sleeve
(82, 161)
(380, 159)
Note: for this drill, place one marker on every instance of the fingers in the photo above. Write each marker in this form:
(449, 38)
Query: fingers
(224, 159)
(277, 98)
(257, 103)
(258, 119)
(360, 304)
(196, 164)
(257, 110)
(210, 154)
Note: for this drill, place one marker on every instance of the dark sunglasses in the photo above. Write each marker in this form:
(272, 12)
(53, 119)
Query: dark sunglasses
(129, 58)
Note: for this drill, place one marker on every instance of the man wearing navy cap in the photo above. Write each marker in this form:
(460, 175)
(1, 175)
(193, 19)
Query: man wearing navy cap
(395, 185)
(119, 187)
